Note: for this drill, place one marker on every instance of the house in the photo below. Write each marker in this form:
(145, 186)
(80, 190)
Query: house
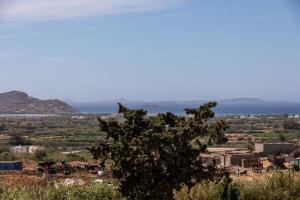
(213, 160)
(34, 149)
(244, 160)
(11, 166)
(19, 149)
(228, 157)
(25, 149)
(274, 148)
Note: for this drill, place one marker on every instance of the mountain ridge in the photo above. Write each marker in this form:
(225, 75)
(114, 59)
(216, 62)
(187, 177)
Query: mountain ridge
(17, 102)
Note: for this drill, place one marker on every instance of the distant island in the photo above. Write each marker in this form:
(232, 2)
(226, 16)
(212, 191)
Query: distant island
(16, 102)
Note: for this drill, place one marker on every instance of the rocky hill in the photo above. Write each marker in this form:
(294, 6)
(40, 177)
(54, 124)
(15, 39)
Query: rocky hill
(16, 102)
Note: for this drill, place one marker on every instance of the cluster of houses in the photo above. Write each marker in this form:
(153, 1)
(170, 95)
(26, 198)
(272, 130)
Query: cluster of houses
(265, 156)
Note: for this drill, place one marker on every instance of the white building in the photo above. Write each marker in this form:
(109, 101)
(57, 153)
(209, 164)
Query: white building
(25, 149)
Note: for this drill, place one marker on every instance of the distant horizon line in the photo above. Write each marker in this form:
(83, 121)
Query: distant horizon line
(128, 100)
(124, 100)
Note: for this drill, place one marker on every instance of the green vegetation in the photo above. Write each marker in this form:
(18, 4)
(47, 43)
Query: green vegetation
(282, 137)
(291, 125)
(52, 192)
(40, 155)
(65, 133)
(154, 155)
(276, 128)
(7, 156)
(150, 154)
(55, 134)
(279, 186)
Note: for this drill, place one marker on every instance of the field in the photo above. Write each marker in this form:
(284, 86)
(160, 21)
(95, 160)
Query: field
(261, 129)
(55, 134)
(274, 186)
(67, 138)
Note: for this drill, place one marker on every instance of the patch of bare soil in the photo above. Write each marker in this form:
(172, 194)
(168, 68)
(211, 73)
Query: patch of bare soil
(4, 137)
(20, 179)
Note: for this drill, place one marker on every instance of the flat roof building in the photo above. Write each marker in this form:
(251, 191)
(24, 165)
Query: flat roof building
(274, 148)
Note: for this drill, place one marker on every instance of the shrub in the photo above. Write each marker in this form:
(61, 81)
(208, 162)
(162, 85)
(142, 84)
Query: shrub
(279, 186)
(40, 155)
(7, 156)
(290, 125)
(93, 192)
(75, 157)
(281, 137)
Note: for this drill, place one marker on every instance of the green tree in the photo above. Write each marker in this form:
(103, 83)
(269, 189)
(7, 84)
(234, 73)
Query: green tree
(153, 155)
(228, 191)
(7, 156)
(18, 139)
(2, 127)
(250, 145)
(290, 125)
(282, 137)
(40, 155)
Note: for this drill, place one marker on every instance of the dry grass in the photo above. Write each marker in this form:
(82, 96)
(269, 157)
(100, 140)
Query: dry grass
(20, 179)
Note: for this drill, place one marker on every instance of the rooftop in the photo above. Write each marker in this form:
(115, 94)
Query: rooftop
(8, 162)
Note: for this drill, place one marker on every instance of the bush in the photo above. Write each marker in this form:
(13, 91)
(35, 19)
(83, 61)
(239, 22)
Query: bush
(204, 191)
(290, 125)
(4, 149)
(40, 155)
(18, 139)
(281, 185)
(75, 157)
(94, 192)
(282, 137)
(7, 156)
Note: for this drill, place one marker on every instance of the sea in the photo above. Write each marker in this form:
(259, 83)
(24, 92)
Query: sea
(222, 109)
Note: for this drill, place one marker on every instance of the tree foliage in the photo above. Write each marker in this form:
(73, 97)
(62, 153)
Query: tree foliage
(281, 137)
(40, 155)
(18, 139)
(2, 127)
(153, 155)
(290, 125)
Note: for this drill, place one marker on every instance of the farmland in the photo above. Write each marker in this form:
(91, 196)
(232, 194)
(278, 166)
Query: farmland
(55, 134)
(59, 134)
(67, 138)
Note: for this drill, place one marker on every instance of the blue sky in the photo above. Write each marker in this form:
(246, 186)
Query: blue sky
(151, 49)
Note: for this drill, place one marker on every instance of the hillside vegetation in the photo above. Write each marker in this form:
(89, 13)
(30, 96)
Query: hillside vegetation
(16, 102)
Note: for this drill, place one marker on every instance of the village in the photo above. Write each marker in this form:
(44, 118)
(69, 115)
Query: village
(54, 148)
(265, 158)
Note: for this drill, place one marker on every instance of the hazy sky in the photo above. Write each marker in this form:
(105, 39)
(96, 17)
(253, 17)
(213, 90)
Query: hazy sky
(151, 49)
